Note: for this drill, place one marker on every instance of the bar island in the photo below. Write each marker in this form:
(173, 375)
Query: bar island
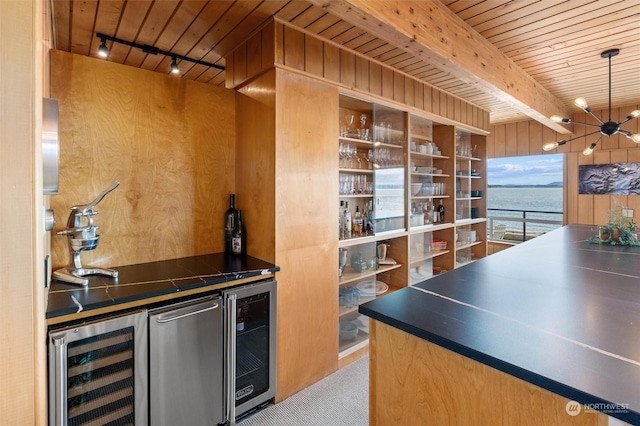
(544, 333)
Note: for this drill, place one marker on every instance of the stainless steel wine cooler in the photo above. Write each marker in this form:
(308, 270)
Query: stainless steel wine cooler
(98, 372)
(250, 331)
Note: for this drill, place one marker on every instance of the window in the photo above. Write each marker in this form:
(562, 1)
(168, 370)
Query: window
(525, 196)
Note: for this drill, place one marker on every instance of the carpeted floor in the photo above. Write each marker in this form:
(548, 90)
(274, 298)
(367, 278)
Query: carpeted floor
(341, 399)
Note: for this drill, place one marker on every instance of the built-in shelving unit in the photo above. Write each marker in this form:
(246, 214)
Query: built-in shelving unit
(399, 168)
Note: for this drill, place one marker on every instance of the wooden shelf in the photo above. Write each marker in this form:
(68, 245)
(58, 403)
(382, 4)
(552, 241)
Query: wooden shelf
(467, 245)
(372, 238)
(352, 276)
(414, 262)
(461, 222)
(428, 197)
(430, 228)
(434, 156)
(360, 171)
(355, 196)
(428, 174)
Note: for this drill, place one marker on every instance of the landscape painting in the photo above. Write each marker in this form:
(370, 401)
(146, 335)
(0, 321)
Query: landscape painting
(609, 179)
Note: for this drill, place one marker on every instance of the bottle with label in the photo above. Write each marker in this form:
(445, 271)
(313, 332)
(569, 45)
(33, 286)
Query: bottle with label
(347, 221)
(358, 222)
(230, 218)
(341, 221)
(434, 214)
(239, 238)
(441, 212)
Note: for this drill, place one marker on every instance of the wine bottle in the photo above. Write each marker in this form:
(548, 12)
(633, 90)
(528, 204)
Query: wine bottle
(441, 212)
(358, 223)
(341, 221)
(230, 219)
(347, 221)
(239, 239)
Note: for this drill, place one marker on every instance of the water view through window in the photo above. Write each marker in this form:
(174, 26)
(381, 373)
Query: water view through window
(525, 196)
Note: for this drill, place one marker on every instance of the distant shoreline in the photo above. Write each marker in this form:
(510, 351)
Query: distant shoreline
(550, 185)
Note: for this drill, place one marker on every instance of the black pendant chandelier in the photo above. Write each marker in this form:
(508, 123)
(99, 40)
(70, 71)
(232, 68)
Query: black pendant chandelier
(608, 128)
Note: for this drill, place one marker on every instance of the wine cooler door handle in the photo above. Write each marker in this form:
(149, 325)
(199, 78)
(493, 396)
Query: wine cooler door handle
(188, 314)
(60, 362)
(231, 358)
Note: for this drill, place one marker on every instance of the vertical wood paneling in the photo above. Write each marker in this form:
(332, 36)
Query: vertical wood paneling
(313, 56)
(347, 69)
(387, 83)
(428, 98)
(409, 91)
(522, 138)
(511, 140)
(571, 199)
(435, 101)
(398, 87)
(331, 62)
(268, 47)
(306, 287)
(451, 105)
(254, 54)
(457, 111)
(500, 134)
(535, 138)
(240, 63)
(175, 160)
(418, 95)
(362, 74)
(491, 142)
(293, 48)
(375, 74)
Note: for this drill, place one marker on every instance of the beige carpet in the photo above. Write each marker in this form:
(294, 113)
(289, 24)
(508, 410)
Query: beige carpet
(341, 399)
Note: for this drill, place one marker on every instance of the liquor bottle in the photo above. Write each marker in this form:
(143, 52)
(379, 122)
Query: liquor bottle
(434, 214)
(368, 219)
(230, 219)
(239, 239)
(441, 212)
(347, 220)
(358, 223)
(341, 221)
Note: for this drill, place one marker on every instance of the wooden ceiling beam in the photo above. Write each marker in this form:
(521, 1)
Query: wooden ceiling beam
(432, 32)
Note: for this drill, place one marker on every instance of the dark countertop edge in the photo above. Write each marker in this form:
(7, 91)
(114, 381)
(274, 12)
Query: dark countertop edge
(223, 280)
(558, 388)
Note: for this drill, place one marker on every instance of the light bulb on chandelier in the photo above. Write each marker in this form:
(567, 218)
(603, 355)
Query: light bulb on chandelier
(608, 128)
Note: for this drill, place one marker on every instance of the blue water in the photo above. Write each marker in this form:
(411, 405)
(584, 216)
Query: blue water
(530, 199)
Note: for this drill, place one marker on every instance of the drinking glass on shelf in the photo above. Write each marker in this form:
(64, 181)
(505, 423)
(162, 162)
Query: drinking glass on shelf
(349, 119)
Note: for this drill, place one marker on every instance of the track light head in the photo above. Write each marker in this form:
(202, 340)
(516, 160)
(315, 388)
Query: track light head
(103, 50)
(174, 66)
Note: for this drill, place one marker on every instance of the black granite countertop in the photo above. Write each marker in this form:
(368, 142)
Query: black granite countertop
(557, 312)
(137, 284)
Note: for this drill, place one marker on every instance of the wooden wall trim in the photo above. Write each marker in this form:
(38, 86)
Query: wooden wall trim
(302, 52)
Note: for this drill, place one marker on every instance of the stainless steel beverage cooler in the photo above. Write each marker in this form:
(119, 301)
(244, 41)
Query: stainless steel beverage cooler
(98, 372)
(250, 327)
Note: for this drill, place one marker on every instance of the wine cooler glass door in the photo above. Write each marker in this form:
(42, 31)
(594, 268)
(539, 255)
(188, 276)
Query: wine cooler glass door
(98, 372)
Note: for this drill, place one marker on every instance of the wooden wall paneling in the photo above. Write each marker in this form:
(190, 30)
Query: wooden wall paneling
(410, 91)
(313, 56)
(331, 62)
(457, 110)
(171, 143)
(585, 201)
(451, 105)
(418, 95)
(522, 138)
(387, 83)
(293, 48)
(254, 54)
(22, 307)
(398, 87)
(240, 64)
(619, 156)
(362, 73)
(490, 147)
(632, 126)
(633, 156)
(579, 144)
(435, 101)
(427, 98)
(431, 382)
(511, 140)
(278, 43)
(535, 138)
(347, 69)
(571, 198)
(256, 166)
(268, 48)
(469, 113)
(230, 76)
(306, 177)
(375, 76)
(499, 140)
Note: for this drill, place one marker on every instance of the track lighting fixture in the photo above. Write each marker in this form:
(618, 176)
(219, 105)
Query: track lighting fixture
(103, 51)
(174, 66)
(608, 128)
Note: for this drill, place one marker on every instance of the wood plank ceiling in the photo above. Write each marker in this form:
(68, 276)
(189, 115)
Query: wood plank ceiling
(557, 43)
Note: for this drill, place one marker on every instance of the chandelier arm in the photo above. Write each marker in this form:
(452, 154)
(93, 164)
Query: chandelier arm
(585, 124)
(625, 132)
(582, 136)
(626, 119)
(596, 116)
